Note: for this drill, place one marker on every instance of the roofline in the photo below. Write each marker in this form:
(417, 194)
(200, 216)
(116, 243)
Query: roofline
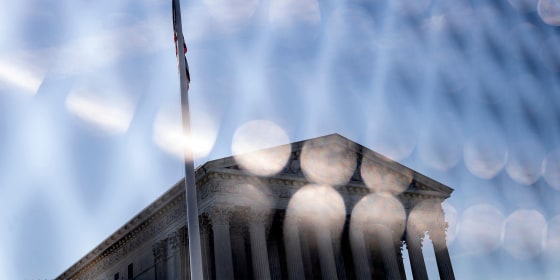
(339, 139)
(214, 166)
(133, 223)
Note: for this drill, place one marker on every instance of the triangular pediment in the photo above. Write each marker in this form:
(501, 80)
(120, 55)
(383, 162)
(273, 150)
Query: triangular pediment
(292, 169)
(169, 210)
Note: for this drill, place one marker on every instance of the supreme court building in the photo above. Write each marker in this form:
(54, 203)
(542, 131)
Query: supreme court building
(332, 210)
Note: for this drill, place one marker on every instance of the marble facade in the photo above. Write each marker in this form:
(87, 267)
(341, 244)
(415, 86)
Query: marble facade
(279, 226)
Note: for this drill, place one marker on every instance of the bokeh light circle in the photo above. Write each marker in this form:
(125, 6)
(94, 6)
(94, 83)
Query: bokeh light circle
(525, 86)
(295, 23)
(549, 11)
(528, 39)
(552, 245)
(551, 169)
(453, 7)
(524, 5)
(379, 178)
(250, 143)
(451, 218)
(327, 163)
(111, 112)
(289, 12)
(525, 161)
(392, 128)
(524, 232)
(485, 155)
(454, 71)
(232, 12)
(317, 205)
(379, 209)
(252, 195)
(169, 136)
(347, 21)
(491, 83)
(480, 229)
(440, 146)
(549, 55)
(410, 7)
(425, 215)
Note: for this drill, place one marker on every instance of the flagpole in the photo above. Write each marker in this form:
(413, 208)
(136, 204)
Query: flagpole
(195, 253)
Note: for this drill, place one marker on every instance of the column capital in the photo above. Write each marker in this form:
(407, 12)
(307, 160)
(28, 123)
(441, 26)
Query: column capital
(205, 221)
(178, 237)
(221, 215)
(258, 215)
(438, 234)
(294, 219)
(159, 249)
(414, 235)
(173, 240)
(237, 229)
(184, 235)
(426, 216)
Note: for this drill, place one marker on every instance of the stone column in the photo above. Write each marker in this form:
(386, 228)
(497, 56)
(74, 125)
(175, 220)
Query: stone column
(400, 260)
(326, 253)
(359, 253)
(293, 250)
(222, 243)
(308, 242)
(414, 247)
(159, 249)
(240, 268)
(274, 259)
(206, 245)
(185, 264)
(442, 254)
(339, 259)
(174, 260)
(259, 252)
(387, 247)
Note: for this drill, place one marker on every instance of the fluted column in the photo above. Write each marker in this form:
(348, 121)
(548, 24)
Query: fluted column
(359, 253)
(339, 259)
(274, 261)
(259, 251)
(183, 237)
(414, 247)
(387, 247)
(240, 268)
(326, 253)
(222, 244)
(443, 260)
(293, 250)
(206, 246)
(307, 243)
(177, 267)
(159, 249)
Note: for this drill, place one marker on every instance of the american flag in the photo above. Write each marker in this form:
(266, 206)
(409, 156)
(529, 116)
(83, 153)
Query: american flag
(175, 38)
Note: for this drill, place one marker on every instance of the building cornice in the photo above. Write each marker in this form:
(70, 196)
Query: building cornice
(171, 203)
(131, 230)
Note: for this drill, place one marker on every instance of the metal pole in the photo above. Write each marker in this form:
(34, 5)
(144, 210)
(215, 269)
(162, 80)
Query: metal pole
(195, 254)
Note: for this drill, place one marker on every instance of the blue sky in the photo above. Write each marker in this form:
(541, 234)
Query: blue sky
(466, 92)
